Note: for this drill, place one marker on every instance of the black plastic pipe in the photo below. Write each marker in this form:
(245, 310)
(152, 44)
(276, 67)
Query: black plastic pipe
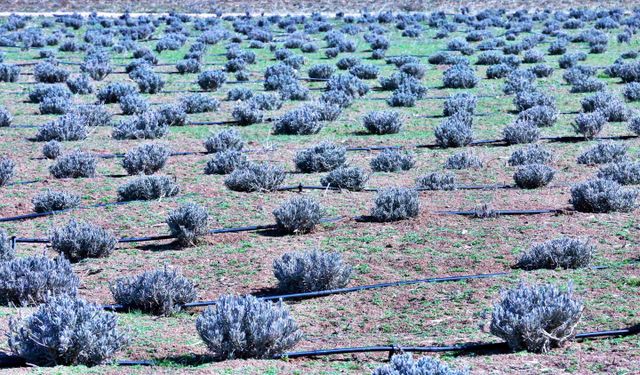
(500, 212)
(468, 347)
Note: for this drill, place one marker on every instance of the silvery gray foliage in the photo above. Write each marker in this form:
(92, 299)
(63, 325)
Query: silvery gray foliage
(436, 181)
(602, 196)
(212, 80)
(31, 280)
(562, 252)
(604, 152)
(611, 107)
(148, 81)
(631, 91)
(92, 114)
(541, 70)
(528, 99)
(146, 125)
(147, 158)
(530, 154)
(520, 132)
(624, 173)
(66, 331)
(294, 91)
(634, 125)
(148, 188)
(321, 71)
(349, 84)
(390, 160)
(78, 240)
(266, 101)
(199, 103)
(326, 111)
(247, 114)
(404, 364)
(69, 127)
(498, 71)
(322, 157)
(460, 76)
(7, 252)
(97, 69)
(462, 102)
(587, 84)
(382, 122)
(113, 92)
(519, 80)
(463, 160)
(41, 91)
(336, 97)
(187, 223)
(54, 106)
(454, 131)
(252, 177)
(536, 318)
(539, 115)
(5, 117)
(188, 66)
(9, 73)
(304, 120)
(7, 170)
(395, 203)
(77, 164)
(133, 104)
(312, 270)
(51, 150)
(80, 85)
(298, 215)
(172, 115)
(54, 200)
(49, 73)
(159, 292)
(365, 71)
(345, 177)
(239, 93)
(242, 327)
(533, 176)
(225, 140)
(225, 162)
(589, 124)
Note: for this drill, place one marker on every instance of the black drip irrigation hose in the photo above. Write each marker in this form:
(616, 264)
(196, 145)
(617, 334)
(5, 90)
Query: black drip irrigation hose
(475, 115)
(328, 292)
(36, 215)
(466, 347)
(11, 361)
(324, 293)
(24, 182)
(299, 188)
(491, 213)
(16, 240)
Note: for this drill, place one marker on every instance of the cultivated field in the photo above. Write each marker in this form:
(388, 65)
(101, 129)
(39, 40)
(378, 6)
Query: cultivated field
(566, 81)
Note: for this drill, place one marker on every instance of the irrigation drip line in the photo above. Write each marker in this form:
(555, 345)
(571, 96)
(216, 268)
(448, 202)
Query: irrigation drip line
(24, 182)
(327, 292)
(300, 188)
(466, 347)
(36, 215)
(16, 240)
(572, 139)
(323, 293)
(475, 114)
(490, 213)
